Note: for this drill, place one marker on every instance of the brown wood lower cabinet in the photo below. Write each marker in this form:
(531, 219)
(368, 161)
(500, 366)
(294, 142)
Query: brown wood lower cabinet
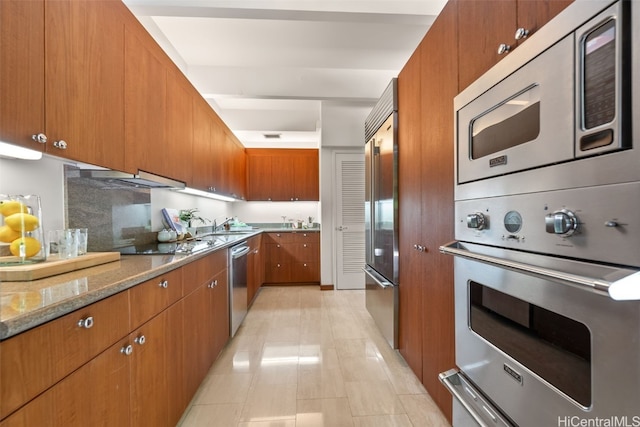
(97, 394)
(206, 317)
(255, 267)
(292, 257)
(137, 362)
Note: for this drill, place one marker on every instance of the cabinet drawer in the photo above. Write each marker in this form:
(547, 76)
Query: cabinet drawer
(284, 237)
(305, 272)
(306, 237)
(200, 271)
(36, 359)
(278, 253)
(277, 273)
(305, 252)
(151, 297)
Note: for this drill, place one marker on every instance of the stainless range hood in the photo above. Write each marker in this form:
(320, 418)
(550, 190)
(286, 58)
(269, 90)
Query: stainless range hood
(142, 178)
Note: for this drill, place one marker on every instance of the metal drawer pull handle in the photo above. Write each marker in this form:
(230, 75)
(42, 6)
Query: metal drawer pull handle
(127, 350)
(625, 288)
(140, 340)
(164, 284)
(379, 281)
(86, 323)
(454, 383)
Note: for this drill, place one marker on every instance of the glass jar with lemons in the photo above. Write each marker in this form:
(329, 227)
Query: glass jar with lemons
(21, 233)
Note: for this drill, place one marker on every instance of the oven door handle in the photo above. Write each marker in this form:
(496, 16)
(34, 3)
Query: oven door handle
(482, 412)
(626, 288)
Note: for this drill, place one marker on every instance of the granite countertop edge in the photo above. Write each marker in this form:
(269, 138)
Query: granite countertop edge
(104, 281)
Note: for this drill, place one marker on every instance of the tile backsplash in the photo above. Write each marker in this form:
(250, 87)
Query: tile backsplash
(116, 213)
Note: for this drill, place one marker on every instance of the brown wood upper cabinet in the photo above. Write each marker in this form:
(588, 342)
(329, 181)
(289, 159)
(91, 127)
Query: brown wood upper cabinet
(487, 27)
(22, 72)
(61, 68)
(283, 174)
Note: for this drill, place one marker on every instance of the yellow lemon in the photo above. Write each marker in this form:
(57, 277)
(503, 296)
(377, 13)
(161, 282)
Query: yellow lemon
(23, 301)
(9, 207)
(31, 246)
(22, 222)
(8, 234)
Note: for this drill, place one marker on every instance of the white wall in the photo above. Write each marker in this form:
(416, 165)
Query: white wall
(273, 211)
(44, 178)
(342, 131)
(207, 208)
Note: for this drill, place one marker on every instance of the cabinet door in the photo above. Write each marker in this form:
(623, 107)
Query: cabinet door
(85, 80)
(179, 128)
(259, 175)
(202, 153)
(220, 158)
(410, 191)
(306, 182)
(145, 109)
(197, 338)
(97, 394)
(238, 175)
(483, 26)
(282, 178)
(438, 88)
(149, 370)
(219, 308)
(533, 14)
(22, 72)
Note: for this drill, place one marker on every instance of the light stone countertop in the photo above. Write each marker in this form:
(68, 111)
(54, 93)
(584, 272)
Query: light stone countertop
(24, 305)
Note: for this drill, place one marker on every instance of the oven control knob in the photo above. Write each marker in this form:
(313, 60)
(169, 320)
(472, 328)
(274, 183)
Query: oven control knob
(477, 220)
(563, 223)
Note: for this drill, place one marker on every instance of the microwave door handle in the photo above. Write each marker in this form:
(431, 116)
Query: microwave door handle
(626, 288)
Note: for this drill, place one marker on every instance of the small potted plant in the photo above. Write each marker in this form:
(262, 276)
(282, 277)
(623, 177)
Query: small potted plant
(188, 217)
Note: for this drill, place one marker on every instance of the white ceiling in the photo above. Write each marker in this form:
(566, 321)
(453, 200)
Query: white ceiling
(267, 66)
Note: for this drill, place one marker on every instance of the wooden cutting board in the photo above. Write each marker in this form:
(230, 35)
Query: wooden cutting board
(54, 265)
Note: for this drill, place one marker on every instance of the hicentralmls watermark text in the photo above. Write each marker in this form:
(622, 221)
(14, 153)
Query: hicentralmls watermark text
(613, 421)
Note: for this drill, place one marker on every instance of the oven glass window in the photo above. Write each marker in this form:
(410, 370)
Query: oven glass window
(556, 348)
(511, 123)
(599, 74)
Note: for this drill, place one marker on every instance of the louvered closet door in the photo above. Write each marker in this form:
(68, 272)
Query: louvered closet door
(349, 221)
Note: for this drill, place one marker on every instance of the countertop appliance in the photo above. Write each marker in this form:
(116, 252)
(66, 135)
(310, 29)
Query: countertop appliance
(546, 269)
(238, 285)
(381, 214)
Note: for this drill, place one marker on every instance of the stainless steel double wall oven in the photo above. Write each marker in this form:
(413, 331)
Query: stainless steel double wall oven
(547, 222)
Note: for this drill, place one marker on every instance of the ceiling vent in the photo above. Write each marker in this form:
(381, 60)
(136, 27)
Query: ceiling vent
(272, 135)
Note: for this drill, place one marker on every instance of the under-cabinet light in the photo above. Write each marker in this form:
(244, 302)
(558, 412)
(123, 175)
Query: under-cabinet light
(207, 194)
(16, 152)
(627, 288)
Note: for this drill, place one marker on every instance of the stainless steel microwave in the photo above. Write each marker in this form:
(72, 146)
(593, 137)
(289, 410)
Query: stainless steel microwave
(570, 101)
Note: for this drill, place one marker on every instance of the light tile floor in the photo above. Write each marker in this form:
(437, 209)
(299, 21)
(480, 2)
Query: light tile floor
(310, 358)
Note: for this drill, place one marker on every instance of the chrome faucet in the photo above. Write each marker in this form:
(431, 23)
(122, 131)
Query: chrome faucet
(217, 226)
